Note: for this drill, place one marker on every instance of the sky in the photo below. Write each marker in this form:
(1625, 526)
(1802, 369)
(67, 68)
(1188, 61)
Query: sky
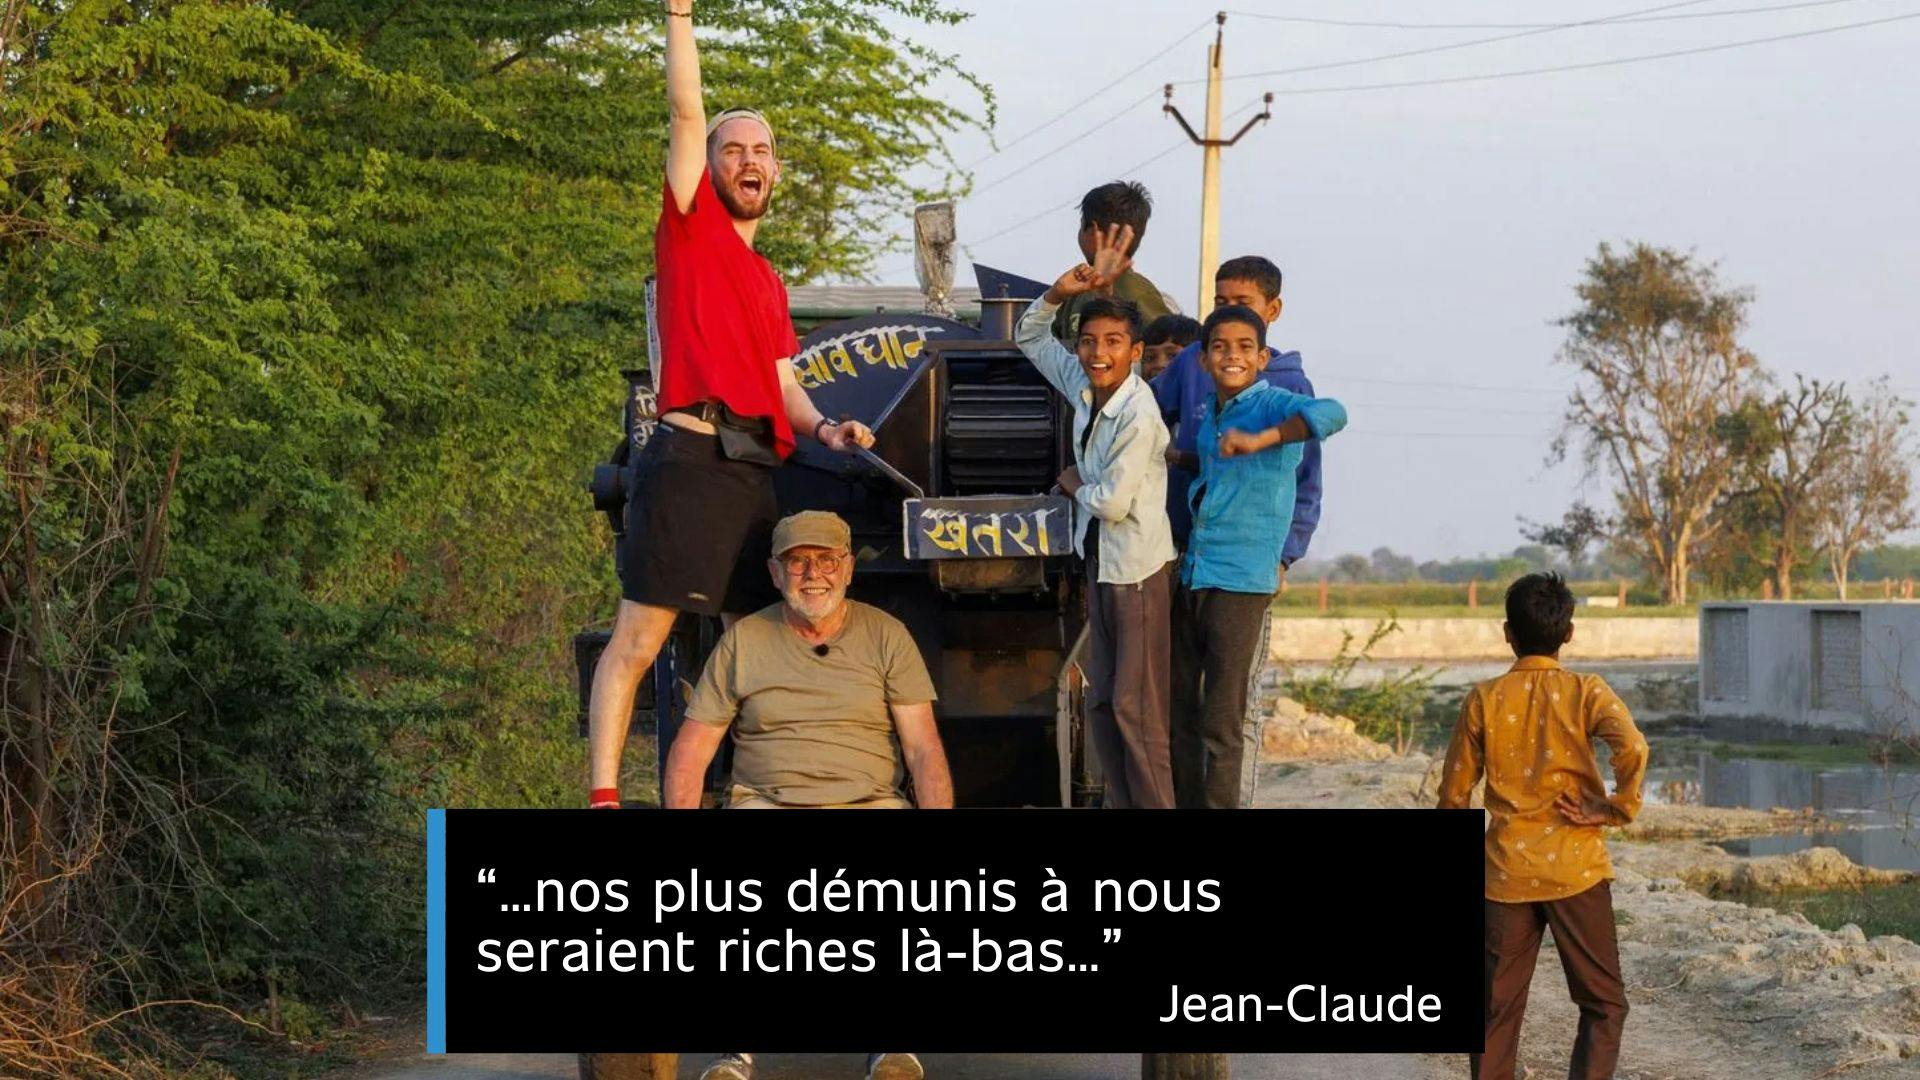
(1430, 235)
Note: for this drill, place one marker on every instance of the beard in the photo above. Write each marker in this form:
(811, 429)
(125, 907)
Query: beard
(741, 205)
(816, 607)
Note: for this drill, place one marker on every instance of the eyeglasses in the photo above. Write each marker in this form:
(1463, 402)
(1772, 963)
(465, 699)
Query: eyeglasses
(825, 565)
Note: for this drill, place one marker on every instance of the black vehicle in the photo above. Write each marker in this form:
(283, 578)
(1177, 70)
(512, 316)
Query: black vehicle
(957, 528)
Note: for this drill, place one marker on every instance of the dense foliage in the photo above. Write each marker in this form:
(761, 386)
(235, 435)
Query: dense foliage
(312, 315)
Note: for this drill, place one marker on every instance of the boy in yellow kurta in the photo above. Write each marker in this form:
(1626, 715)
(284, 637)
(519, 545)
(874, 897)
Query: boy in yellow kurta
(1532, 733)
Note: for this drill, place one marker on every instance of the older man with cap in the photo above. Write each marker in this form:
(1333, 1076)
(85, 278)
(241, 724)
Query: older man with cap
(828, 698)
(702, 505)
(831, 708)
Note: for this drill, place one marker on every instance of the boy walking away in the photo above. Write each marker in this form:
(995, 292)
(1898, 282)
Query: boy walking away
(1250, 438)
(1118, 484)
(1105, 209)
(1532, 732)
(1185, 391)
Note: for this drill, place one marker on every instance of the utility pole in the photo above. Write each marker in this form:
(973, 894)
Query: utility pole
(1210, 148)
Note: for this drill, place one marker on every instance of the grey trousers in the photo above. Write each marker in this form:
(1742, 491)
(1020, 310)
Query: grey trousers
(1126, 668)
(1219, 642)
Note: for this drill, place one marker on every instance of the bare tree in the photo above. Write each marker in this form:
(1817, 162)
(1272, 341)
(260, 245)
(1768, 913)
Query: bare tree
(1789, 445)
(1869, 494)
(1656, 344)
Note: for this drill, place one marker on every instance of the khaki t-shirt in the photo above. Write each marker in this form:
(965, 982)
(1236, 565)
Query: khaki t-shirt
(813, 730)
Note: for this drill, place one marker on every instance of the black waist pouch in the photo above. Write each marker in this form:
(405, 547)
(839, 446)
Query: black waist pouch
(744, 438)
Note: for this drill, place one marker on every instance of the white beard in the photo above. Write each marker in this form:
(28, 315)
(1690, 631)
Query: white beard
(815, 608)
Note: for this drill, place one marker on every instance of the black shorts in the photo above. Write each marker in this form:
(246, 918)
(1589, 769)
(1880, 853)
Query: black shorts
(699, 528)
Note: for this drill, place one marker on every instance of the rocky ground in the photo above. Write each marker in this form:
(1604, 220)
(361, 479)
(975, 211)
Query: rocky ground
(1718, 989)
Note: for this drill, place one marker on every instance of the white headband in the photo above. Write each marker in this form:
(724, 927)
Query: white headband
(735, 114)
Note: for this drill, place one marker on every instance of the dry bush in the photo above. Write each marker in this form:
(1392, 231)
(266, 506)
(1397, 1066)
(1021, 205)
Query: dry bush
(82, 533)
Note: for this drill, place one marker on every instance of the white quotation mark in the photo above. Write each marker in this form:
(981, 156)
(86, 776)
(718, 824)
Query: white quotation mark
(1108, 936)
(487, 877)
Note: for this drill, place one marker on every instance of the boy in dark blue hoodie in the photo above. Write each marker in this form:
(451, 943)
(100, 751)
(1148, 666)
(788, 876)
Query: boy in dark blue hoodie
(1185, 392)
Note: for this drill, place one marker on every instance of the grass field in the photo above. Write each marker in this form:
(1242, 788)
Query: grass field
(1289, 607)
(1876, 909)
(1433, 599)
(1438, 600)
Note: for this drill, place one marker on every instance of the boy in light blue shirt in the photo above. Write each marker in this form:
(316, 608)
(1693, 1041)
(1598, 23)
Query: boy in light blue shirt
(1118, 483)
(1249, 445)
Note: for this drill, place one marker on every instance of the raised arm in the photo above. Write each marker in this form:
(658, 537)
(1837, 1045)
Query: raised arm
(926, 758)
(1034, 334)
(687, 112)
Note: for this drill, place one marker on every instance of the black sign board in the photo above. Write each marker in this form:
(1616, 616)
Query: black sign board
(988, 527)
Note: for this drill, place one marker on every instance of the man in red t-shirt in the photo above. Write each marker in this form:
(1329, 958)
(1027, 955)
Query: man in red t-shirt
(700, 520)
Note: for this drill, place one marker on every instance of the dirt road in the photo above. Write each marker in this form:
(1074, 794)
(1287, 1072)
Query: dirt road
(1719, 991)
(939, 1067)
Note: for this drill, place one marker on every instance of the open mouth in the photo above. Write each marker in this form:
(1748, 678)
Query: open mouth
(752, 185)
(1099, 367)
(1235, 370)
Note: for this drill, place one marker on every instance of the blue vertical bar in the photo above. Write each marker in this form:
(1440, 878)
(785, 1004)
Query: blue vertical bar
(436, 931)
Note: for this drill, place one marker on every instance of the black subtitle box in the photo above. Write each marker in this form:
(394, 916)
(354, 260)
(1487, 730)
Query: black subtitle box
(954, 931)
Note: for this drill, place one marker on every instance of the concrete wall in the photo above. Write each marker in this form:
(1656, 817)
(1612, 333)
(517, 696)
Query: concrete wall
(1853, 667)
(1612, 638)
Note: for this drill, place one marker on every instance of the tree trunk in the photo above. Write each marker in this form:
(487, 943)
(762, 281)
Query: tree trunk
(1674, 589)
(1183, 1067)
(1783, 573)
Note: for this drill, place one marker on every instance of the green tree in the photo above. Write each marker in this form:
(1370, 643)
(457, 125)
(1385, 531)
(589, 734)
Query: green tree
(1869, 493)
(1789, 447)
(1655, 342)
(312, 324)
(1579, 529)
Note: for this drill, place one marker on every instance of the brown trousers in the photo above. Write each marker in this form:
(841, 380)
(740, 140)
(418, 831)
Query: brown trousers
(1590, 956)
(1128, 648)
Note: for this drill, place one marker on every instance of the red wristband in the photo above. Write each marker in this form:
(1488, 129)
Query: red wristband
(602, 797)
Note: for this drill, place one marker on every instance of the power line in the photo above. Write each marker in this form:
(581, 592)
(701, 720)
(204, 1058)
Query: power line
(1436, 385)
(1589, 65)
(1075, 107)
(1456, 79)
(1468, 409)
(1004, 177)
(1134, 168)
(1365, 434)
(1450, 46)
(1623, 19)
(1063, 114)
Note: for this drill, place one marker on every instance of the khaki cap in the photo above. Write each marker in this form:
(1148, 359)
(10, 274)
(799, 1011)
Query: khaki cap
(811, 528)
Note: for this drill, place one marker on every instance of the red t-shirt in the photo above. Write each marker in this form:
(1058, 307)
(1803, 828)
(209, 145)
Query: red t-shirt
(723, 314)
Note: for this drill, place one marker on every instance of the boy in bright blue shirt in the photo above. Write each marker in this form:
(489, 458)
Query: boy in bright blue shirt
(1185, 391)
(1248, 444)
